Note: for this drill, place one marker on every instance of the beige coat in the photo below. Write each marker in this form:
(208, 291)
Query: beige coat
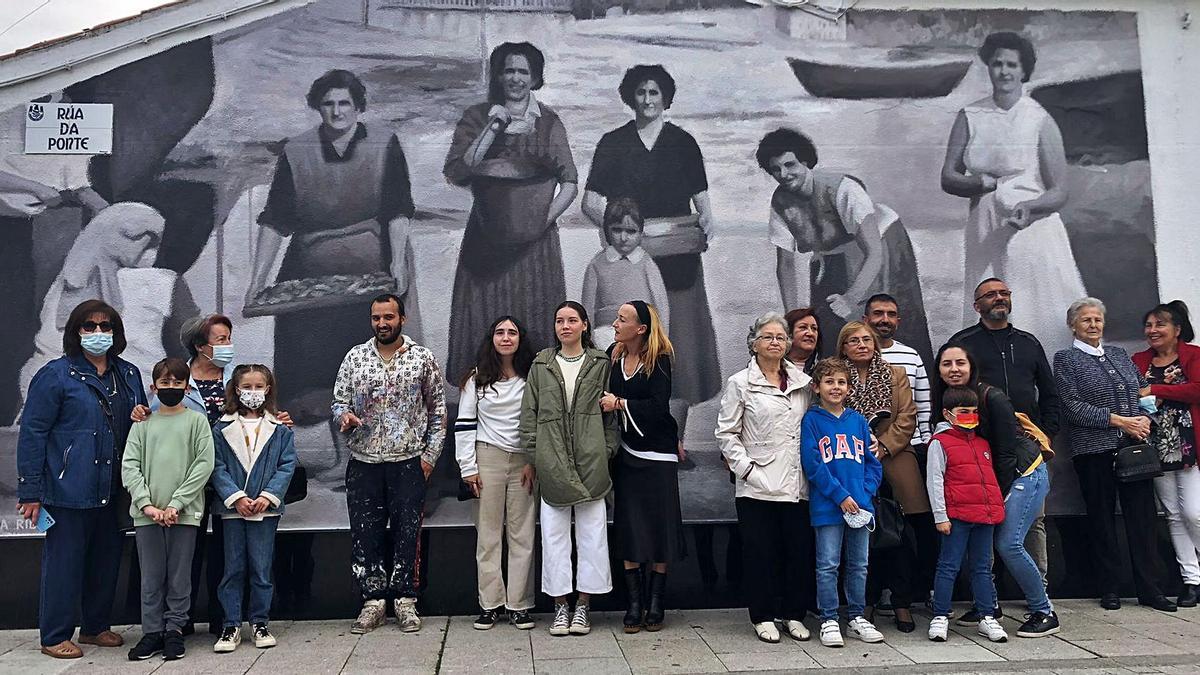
(900, 467)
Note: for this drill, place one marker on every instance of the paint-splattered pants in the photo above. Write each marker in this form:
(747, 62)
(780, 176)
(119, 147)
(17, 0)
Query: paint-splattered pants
(375, 495)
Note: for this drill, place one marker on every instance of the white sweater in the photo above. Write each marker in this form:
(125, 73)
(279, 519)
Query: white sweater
(491, 418)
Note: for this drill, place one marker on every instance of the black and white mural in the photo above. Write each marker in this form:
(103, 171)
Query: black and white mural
(236, 186)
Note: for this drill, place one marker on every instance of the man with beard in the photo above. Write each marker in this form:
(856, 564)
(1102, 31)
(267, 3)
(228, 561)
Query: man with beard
(390, 400)
(883, 314)
(1014, 361)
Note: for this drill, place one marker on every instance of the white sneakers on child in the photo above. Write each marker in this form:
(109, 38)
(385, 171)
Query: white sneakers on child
(831, 633)
(938, 627)
(864, 630)
(990, 628)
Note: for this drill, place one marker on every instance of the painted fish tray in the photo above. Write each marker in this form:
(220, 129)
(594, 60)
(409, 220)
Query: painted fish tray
(296, 295)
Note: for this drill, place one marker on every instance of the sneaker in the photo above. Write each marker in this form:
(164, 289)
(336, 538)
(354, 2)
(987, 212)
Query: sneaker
(796, 630)
(938, 627)
(992, 630)
(262, 637)
(1039, 625)
(148, 646)
(562, 620)
(486, 619)
(231, 637)
(864, 630)
(521, 619)
(372, 616)
(173, 648)
(580, 624)
(831, 633)
(406, 614)
(972, 617)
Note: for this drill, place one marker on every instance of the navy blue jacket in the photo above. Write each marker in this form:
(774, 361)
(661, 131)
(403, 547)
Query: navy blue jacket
(269, 475)
(65, 452)
(1092, 388)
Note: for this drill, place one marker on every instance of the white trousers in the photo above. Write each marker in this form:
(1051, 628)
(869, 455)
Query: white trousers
(1179, 493)
(591, 540)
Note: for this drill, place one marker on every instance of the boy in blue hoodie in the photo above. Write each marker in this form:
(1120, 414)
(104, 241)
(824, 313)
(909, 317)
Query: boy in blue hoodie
(836, 449)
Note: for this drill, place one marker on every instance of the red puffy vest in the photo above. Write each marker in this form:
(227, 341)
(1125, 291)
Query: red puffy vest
(972, 493)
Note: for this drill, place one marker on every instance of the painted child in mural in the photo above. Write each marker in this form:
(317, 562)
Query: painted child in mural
(659, 166)
(859, 247)
(1006, 155)
(342, 196)
(622, 270)
(512, 152)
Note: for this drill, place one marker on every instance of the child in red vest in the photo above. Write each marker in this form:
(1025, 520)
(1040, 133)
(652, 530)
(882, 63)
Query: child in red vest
(967, 506)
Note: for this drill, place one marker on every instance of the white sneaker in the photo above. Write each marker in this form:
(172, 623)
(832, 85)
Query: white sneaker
(864, 630)
(992, 630)
(372, 616)
(938, 627)
(796, 629)
(831, 633)
(406, 614)
(262, 636)
(767, 631)
(231, 637)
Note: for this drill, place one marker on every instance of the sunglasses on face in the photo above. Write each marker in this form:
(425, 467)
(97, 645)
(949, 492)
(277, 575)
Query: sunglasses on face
(91, 326)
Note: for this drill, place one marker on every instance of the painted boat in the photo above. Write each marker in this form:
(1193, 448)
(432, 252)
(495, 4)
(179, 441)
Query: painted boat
(903, 73)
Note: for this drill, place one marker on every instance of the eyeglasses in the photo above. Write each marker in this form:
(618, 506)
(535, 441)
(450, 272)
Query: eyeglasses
(860, 340)
(992, 295)
(91, 326)
(772, 338)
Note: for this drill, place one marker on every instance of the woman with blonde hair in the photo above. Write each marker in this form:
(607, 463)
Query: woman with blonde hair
(647, 518)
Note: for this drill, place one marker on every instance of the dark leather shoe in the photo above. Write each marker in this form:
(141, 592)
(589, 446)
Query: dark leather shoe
(1190, 596)
(1110, 601)
(105, 638)
(905, 626)
(1159, 602)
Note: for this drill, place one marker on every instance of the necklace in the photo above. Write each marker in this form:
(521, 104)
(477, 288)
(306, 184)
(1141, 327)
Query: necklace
(570, 359)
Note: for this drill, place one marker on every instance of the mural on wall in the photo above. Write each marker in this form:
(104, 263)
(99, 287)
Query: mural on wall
(285, 172)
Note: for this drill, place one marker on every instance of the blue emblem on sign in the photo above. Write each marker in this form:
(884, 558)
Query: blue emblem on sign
(36, 112)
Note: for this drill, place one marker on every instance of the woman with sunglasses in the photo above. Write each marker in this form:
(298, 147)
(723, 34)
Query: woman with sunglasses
(73, 432)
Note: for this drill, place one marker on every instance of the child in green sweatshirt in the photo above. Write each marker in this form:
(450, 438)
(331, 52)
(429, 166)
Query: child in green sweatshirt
(168, 460)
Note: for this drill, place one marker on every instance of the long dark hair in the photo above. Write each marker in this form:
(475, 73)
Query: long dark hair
(587, 341)
(940, 386)
(1177, 313)
(72, 343)
(487, 360)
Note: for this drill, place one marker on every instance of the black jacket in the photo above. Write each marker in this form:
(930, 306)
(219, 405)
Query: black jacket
(1012, 451)
(1014, 361)
(647, 424)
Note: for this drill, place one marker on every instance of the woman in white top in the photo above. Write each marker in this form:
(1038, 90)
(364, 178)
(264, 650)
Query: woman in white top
(498, 471)
(1006, 155)
(758, 429)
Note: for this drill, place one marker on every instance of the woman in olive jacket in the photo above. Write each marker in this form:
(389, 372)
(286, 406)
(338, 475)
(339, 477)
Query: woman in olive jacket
(571, 441)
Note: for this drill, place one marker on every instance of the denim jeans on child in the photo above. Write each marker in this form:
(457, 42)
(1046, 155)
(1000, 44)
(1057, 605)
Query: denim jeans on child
(249, 548)
(829, 555)
(1021, 507)
(976, 541)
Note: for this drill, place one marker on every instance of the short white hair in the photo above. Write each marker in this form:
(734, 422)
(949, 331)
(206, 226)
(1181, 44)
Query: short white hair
(763, 321)
(1080, 305)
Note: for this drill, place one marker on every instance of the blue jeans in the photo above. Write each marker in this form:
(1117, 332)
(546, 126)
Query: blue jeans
(829, 555)
(976, 541)
(81, 561)
(249, 547)
(1021, 506)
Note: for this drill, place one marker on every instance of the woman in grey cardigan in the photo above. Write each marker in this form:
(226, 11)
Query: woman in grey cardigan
(1098, 385)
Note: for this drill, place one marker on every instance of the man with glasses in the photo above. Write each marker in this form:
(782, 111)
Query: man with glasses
(1014, 361)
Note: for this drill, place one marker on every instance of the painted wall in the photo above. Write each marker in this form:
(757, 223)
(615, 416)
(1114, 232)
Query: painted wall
(202, 126)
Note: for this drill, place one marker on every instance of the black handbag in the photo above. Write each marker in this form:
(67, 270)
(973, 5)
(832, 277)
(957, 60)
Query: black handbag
(890, 525)
(1136, 461)
(297, 490)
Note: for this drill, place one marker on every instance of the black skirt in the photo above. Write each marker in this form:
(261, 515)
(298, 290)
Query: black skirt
(647, 519)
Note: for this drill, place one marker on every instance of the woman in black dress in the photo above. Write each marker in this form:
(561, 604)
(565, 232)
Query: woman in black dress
(659, 166)
(647, 518)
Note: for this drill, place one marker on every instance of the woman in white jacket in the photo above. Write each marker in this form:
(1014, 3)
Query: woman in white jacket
(759, 433)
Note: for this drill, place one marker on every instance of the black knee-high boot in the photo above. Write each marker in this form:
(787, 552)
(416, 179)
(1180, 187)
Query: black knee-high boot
(655, 611)
(633, 594)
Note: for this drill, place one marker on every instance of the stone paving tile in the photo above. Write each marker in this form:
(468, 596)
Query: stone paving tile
(670, 654)
(599, 644)
(467, 650)
(740, 638)
(951, 651)
(1141, 647)
(856, 654)
(608, 665)
(29, 660)
(308, 647)
(792, 659)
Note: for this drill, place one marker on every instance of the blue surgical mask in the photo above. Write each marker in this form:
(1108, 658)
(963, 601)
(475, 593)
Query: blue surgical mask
(1148, 404)
(96, 344)
(222, 355)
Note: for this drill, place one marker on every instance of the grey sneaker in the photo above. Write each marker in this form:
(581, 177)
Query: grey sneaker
(372, 616)
(562, 620)
(580, 625)
(406, 614)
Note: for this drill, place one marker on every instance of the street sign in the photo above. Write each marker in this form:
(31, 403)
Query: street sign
(68, 128)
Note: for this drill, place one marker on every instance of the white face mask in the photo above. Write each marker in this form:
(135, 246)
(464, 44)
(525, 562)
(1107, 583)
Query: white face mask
(860, 519)
(252, 398)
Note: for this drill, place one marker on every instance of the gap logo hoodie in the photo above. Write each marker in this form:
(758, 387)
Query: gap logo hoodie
(837, 460)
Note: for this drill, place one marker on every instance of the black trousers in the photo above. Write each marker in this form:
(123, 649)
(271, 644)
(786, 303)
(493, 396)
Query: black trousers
(779, 551)
(377, 494)
(1139, 511)
(895, 569)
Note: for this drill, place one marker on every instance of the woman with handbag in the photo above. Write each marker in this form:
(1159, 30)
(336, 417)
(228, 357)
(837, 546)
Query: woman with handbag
(875, 388)
(1098, 385)
(1022, 476)
(1171, 366)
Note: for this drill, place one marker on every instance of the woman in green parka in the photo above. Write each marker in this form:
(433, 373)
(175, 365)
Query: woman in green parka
(571, 442)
